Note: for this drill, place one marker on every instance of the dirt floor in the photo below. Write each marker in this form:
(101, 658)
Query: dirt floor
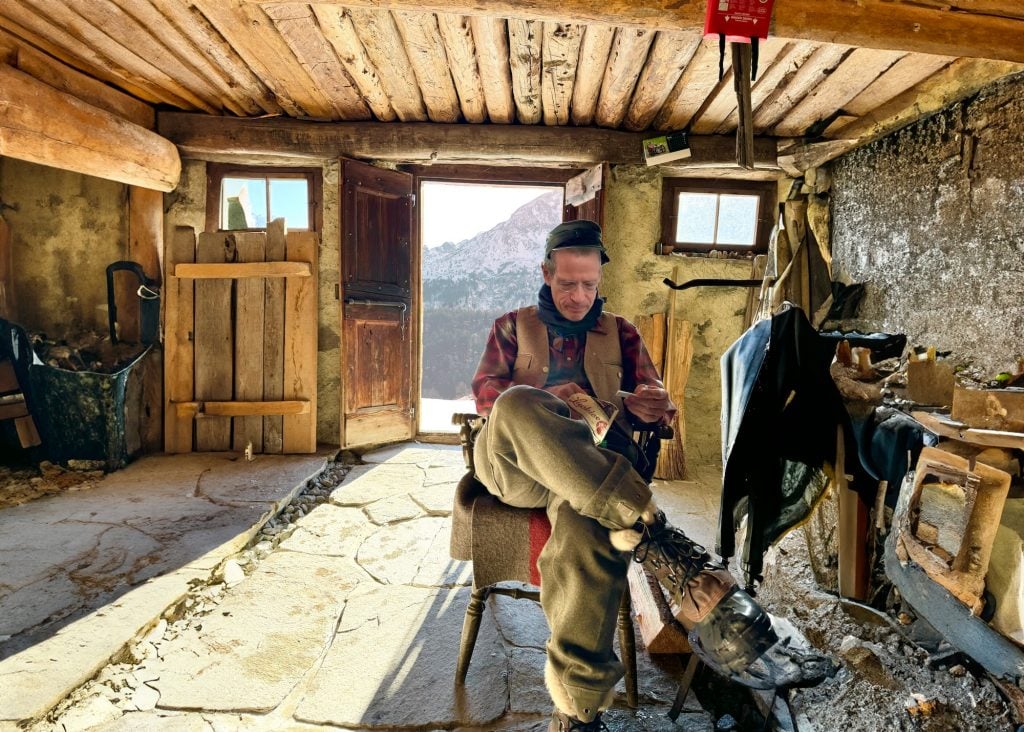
(886, 682)
(23, 484)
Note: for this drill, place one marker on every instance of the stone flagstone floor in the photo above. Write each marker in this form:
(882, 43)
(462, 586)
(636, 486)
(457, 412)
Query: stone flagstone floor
(352, 622)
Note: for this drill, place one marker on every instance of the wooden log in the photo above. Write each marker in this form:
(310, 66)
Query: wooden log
(273, 340)
(179, 316)
(242, 409)
(8, 301)
(241, 270)
(625, 60)
(250, 299)
(64, 78)
(457, 34)
(786, 64)
(146, 246)
(42, 125)
(214, 347)
(207, 41)
(144, 26)
(660, 631)
(98, 32)
(524, 56)
(336, 25)
(561, 54)
(300, 339)
(268, 55)
(693, 88)
(376, 33)
(301, 32)
(490, 36)
(959, 80)
(852, 76)
(811, 74)
(57, 41)
(741, 71)
(868, 23)
(594, 50)
(902, 75)
(426, 53)
(669, 56)
(721, 102)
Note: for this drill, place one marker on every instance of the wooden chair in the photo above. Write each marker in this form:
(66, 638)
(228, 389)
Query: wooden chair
(504, 542)
(15, 398)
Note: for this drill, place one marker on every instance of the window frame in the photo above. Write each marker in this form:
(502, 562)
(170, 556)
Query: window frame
(765, 191)
(217, 172)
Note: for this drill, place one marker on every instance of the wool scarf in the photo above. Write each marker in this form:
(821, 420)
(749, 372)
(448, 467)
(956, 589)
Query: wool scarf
(549, 315)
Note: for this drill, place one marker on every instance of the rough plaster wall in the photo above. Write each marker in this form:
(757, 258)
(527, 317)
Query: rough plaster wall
(187, 207)
(633, 285)
(66, 229)
(931, 219)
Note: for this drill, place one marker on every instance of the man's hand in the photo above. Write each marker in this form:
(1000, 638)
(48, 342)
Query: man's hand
(647, 403)
(564, 391)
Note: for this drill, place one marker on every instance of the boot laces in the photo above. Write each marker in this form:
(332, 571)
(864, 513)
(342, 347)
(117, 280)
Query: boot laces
(596, 725)
(665, 546)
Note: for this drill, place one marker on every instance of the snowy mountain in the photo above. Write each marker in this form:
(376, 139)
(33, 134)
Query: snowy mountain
(468, 284)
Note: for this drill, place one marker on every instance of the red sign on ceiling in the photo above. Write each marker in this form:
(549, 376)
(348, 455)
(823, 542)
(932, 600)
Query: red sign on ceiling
(740, 20)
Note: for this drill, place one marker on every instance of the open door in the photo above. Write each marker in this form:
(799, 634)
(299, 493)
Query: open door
(379, 325)
(584, 196)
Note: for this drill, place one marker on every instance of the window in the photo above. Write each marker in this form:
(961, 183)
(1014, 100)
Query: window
(245, 199)
(701, 215)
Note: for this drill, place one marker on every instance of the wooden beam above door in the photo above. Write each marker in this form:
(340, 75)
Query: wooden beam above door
(295, 142)
(945, 29)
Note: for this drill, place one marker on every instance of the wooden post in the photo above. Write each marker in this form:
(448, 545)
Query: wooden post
(273, 340)
(213, 342)
(179, 315)
(249, 341)
(741, 69)
(300, 339)
(853, 524)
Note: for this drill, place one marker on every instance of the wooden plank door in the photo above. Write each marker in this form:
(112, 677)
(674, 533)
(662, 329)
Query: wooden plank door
(380, 329)
(584, 196)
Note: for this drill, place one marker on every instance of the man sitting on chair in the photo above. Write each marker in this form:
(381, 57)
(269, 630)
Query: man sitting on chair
(533, 453)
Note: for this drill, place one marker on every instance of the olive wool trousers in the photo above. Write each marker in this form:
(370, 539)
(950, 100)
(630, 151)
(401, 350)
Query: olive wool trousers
(532, 454)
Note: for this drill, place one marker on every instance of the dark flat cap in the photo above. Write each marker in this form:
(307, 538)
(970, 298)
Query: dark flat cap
(582, 233)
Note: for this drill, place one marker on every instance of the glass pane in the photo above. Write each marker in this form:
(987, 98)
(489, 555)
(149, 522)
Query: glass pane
(695, 222)
(737, 219)
(243, 203)
(289, 199)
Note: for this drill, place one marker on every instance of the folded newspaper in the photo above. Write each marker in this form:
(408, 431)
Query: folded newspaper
(597, 413)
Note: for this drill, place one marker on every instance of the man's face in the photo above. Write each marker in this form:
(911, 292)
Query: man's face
(574, 281)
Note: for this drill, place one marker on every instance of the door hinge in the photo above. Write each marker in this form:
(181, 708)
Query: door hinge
(412, 198)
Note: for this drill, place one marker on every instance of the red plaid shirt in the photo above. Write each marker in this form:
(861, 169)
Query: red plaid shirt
(494, 374)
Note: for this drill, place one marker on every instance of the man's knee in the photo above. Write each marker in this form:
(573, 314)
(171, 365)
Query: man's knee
(521, 402)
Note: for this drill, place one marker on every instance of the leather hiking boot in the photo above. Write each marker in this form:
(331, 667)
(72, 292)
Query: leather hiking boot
(562, 722)
(727, 628)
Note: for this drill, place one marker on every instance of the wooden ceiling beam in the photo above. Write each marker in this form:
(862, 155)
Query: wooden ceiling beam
(722, 102)
(45, 126)
(954, 83)
(525, 38)
(597, 43)
(918, 28)
(491, 38)
(561, 57)
(426, 51)
(625, 60)
(284, 141)
(64, 78)
(377, 32)
(695, 86)
(669, 56)
(461, 49)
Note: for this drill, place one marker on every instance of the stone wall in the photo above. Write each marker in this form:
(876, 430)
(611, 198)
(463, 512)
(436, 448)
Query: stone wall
(633, 286)
(66, 228)
(931, 219)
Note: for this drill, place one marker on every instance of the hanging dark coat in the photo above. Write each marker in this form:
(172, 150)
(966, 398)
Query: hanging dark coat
(780, 413)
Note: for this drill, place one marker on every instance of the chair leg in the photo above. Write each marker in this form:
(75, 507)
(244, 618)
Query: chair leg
(684, 687)
(470, 630)
(627, 644)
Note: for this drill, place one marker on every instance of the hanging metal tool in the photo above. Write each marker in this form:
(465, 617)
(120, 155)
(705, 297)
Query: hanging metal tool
(148, 293)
